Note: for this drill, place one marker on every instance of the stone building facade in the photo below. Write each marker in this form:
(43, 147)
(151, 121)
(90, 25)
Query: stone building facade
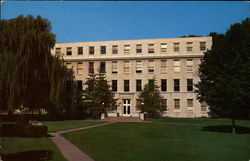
(130, 64)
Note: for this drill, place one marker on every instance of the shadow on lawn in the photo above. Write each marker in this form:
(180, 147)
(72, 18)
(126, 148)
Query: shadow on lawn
(44, 155)
(227, 129)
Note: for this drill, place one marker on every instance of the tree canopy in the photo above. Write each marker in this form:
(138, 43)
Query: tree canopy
(225, 73)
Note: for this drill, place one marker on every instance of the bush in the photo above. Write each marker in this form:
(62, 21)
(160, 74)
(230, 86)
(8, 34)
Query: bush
(8, 130)
(34, 131)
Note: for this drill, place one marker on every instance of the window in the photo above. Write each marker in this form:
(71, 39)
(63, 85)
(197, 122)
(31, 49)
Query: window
(79, 85)
(163, 47)
(114, 49)
(202, 46)
(163, 85)
(151, 48)
(189, 46)
(203, 106)
(114, 85)
(91, 50)
(189, 65)
(126, 66)
(80, 50)
(151, 66)
(79, 68)
(163, 66)
(126, 49)
(189, 102)
(164, 102)
(176, 85)
(69, 65)
(103, 67)
(69, 51)
(138, 85)
(103, 49)
(126, 85)
(138, 48)
(114, 67)
(177, 67)
(176, 47)
(138, 66)
(58, 51)
(177, 104)
(91, 67)
(189, 84)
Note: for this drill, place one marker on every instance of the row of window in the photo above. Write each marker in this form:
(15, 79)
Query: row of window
(138, 66)
(127, 49)
(163, 86)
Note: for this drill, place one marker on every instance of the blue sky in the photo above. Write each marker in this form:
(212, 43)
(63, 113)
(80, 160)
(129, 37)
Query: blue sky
(80, 21)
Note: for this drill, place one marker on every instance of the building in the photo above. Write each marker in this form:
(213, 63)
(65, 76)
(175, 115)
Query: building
(130, 64)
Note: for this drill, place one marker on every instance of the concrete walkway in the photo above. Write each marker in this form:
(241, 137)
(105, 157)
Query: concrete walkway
(70, 151)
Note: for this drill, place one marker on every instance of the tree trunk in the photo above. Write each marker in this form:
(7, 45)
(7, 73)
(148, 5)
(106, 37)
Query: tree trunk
(233, 126)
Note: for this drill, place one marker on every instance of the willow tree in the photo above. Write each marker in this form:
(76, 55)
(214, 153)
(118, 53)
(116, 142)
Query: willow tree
(29, 75)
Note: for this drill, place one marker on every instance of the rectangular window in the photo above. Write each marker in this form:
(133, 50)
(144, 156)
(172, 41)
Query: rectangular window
(103, 67)
(114, 67)
(202, 46)
(190, 65)
(79, 85)
(164, 102)
(163, 85)
(79, 68)
(151, 48)
(91, 67)
(163, 47)
(189, 84)
(126, 49)
(126, 85)
(203, 106)
(126, 66)
(163, 66)
(138, 48)
(103, 49)
(151, 66)
(58, 51)
(69, 65)
(176, 47)
(177, 104)
(91, 50)
(176, 85)
(189, 46)
(69, 51)
(114, 49)
(114, 85)
(80, 50)
(138, 85)
(190, 103)
(177, 65)
(138, 66)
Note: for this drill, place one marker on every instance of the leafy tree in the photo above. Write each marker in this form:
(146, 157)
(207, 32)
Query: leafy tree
(225, 73)
(151, 100)
(29, 75)
(98, 91)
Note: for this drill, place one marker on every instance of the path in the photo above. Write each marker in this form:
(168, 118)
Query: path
(70, 151)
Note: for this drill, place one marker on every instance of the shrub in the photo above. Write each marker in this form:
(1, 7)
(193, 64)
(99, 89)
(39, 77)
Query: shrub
(34, 131)
(7, 130)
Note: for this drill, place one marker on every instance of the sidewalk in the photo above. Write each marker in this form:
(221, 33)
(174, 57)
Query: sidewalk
(70, 151)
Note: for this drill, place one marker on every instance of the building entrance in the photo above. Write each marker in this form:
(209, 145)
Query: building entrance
(126, 107)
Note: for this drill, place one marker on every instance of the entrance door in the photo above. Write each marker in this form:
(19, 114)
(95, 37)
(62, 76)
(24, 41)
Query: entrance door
(126, 107)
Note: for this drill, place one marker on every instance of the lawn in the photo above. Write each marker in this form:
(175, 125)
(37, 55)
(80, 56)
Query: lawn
(159, 141)
(25, 148)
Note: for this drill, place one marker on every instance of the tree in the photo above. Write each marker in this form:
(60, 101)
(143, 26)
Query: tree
(225, 73)
(98, 91)
(151, 100)
(29, 75)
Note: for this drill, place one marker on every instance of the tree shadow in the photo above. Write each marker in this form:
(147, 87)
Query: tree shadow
(227, 129)
(43, 155)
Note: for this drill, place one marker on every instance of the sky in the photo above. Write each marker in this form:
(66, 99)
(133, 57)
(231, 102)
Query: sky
(81, 21)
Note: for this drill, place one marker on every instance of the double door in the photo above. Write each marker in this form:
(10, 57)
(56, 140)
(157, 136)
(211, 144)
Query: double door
(126, 107)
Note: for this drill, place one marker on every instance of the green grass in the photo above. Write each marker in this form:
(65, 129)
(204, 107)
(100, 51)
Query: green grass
(54, 126)
(20, 144)
(158, 141)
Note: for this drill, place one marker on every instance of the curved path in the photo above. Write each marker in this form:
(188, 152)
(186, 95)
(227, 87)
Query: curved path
(70, 151)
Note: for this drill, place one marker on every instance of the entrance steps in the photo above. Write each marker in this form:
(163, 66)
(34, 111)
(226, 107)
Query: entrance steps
(123, 119)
